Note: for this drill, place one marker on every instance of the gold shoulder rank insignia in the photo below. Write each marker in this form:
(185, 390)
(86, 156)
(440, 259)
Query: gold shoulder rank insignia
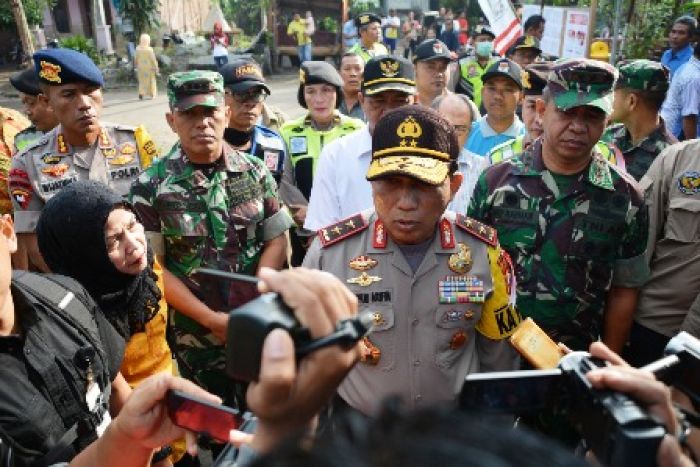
(477, 229)
(340, 230)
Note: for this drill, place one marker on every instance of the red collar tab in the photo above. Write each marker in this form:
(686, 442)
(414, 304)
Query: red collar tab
(379, 238)
(447, 237)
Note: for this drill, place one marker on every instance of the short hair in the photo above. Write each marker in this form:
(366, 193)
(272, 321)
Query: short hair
(651, 99)
(533, 22)
(473, 110)
(349, 54)
(688, 21)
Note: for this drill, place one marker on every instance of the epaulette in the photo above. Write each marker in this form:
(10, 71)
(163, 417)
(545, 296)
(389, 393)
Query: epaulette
(120, 127)
(477, 229)
(342, 229)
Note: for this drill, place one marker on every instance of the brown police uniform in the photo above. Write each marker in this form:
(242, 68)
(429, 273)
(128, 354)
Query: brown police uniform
(116, 158)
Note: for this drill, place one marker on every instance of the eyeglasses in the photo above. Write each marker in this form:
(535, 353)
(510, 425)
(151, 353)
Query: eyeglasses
(255, 95)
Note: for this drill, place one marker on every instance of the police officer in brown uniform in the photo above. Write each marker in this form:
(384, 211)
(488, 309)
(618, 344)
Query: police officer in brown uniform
(438, 284)
(80, 147)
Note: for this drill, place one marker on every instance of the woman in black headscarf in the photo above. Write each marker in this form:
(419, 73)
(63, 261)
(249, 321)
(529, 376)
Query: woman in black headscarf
(89, 233)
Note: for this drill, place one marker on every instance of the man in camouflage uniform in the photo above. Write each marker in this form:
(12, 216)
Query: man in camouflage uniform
(80, 147)
(438, 284)
(574, 225)
(641, 132)
(534, 81)
(206, 205)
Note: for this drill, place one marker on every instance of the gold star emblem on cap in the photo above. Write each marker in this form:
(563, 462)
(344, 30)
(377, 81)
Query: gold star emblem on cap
(409, 129)
(302, 76)
(525, 78)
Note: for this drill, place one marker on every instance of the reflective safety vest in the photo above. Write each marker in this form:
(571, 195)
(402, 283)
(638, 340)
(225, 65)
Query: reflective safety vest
(515, 146)
(377, 49)
(471, 70)
(304, 144)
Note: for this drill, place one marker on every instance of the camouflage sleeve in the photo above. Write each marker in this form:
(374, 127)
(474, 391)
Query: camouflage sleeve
(478, 206)
(276, 218)
(142, 196)
(631, 269)
(148, 151)
(499, 317)
(27, 205)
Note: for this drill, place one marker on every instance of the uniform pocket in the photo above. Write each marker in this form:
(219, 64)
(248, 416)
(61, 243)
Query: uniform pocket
(454, 326)
(383, 335)
(683, 221)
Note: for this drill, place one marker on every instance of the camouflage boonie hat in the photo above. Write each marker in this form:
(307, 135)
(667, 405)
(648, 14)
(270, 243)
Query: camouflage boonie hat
(581, 81)
(643, 75)
(189, 89)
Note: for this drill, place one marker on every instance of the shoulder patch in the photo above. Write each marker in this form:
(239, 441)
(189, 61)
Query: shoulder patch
(341, 230)
(477, 229)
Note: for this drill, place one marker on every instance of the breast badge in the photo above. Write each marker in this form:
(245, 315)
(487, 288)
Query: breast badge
(461, 262)
(56, 170)
(458, 340)
(50, 159)
(689, 183)
(22, 196)
(362, 263)
(122, 159)
(364, 280)
(461, 289)
(127, 148)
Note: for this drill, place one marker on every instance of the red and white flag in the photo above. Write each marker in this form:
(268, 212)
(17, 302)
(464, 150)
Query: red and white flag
(504, 23)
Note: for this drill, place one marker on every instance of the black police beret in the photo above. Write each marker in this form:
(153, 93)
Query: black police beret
(317, 72)
(63, 66)
(26, 81)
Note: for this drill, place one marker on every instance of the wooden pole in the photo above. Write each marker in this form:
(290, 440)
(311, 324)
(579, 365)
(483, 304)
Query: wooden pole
(591, 26)
(22, 27)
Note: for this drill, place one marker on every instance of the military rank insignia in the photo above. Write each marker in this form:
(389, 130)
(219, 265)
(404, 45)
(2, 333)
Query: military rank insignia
(477, 229)
(340, 230)
(461, 289)
(56, 170)
(362, 263)
(364, 280)
(461, 262)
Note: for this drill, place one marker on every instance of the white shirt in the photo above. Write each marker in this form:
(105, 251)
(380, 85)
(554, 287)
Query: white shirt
(470, 165)
(340, 188)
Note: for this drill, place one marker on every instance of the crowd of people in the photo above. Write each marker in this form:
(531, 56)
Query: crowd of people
(446, 197)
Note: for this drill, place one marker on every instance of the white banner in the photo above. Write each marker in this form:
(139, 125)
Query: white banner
(504, 23)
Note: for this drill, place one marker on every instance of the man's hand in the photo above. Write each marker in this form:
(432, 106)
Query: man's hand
(642, 386)
(287, 398)
(298, 213)
(217, 323)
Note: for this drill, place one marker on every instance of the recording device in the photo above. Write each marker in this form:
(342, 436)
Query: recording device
(200, 416)
(249, 324)
(615, 428)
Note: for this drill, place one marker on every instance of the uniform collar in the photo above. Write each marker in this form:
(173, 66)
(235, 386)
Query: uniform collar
(648, 144)
(183, 168)
(336, 121)
(530, 163)
(487, 131)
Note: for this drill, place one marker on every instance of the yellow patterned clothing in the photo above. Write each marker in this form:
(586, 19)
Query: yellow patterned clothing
(148, 353)
(11, 123)
(146, 70)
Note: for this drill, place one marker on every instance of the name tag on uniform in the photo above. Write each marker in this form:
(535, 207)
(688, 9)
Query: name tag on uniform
(297, 145)
(272, 159)
(124, 172)
(269, 142)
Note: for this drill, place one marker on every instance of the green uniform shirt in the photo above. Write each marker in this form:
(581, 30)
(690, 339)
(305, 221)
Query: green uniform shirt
(568, 248)
(377, 49)
(638, 158)
(515, 146)
(471, 70)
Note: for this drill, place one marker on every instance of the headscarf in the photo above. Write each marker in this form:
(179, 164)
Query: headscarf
(144, 42)
(71, 239)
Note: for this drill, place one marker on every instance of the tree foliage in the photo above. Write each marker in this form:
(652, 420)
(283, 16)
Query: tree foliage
(33, 9)
(142, 13)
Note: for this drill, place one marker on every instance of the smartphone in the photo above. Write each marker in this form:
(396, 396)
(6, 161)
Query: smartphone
(202, 417)
(515, 392)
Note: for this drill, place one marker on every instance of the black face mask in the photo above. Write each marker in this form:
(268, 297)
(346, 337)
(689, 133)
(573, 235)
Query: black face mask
(237, 138)
(71, 238)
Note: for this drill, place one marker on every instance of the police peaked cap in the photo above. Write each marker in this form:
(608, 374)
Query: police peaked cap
(317, 72)
(364, 19)
(64, 66)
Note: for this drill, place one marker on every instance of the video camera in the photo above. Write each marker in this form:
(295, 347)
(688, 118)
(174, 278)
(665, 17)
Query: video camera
(614, 427)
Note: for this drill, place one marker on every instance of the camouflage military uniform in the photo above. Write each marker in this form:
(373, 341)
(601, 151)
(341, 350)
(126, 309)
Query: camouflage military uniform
(638, 158)
(11, 124)
(568, 248)
(116, 158)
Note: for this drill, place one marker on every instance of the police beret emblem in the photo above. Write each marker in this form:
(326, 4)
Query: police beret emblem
(503, 67)
(689, 183)
(364, 19)
(302, 76)
(390, 68)
(409, 129)
(50, 72)
(525, 78)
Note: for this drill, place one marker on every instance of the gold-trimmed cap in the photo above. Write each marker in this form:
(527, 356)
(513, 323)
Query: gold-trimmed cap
(384, 73)
(414, 141)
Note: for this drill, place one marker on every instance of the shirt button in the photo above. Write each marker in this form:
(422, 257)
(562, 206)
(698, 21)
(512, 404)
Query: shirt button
(415, 322)
(416, 362)
(27, 351)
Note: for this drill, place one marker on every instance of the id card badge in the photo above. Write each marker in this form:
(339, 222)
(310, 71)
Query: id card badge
(96, 403)
(297, 145)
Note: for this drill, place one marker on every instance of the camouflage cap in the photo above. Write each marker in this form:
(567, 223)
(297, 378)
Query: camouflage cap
(581, 81)
(189, 89)
(643, 75)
